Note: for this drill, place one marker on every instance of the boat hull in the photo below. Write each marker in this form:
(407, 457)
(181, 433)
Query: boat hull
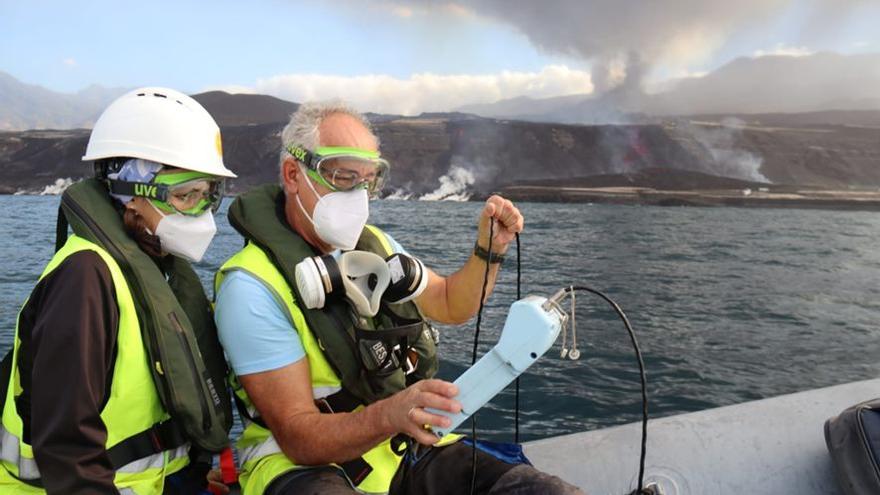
(771, 446)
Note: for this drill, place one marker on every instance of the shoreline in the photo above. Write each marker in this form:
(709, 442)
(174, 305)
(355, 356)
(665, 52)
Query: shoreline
(738, 198)
(743, 198)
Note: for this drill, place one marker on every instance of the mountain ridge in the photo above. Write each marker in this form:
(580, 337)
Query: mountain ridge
(746, 85)
(30, 106)
(481, 155)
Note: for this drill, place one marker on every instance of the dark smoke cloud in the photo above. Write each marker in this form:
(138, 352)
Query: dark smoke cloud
(623, 38)
(606, 28)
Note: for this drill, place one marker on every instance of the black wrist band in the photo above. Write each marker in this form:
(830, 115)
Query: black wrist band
(493, 258)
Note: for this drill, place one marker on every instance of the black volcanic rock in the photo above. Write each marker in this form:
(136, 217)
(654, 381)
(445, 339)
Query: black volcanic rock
(661, 179)
(30, 160)
(498, 153)
(252, 152)
(827, 156)
(845, 118)
(245, 109)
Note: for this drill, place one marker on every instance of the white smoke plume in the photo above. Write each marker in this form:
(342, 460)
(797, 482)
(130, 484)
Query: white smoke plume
(729, 159)
(453, 186)
(674, 33)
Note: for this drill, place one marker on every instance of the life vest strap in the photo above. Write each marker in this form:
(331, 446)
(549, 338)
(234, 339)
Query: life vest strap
(342, 401)
(158, 438)
(356, 469)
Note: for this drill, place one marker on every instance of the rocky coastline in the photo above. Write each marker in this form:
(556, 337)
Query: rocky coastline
(818, 199)
(677, 161)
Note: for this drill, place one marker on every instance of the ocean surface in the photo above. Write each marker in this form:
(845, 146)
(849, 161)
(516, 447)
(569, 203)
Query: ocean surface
(729, 305)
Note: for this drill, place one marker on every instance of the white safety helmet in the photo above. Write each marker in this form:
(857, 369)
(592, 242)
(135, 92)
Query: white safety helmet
(160, 125)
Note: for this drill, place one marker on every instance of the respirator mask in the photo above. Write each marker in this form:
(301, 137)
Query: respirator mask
(365, 279)
(369, 283)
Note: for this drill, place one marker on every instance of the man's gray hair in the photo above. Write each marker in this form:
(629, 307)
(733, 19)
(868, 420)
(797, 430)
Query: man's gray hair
(303, 126)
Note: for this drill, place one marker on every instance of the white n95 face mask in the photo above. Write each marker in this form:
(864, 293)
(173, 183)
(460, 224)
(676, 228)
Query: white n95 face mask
(339, 217)
(186, 236)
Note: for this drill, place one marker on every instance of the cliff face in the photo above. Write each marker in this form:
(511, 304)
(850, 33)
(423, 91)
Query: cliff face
(831, 156)
(478, 156)
(30, 160)
(505, 152)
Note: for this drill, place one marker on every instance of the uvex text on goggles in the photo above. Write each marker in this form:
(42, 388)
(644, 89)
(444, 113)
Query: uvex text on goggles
(187, 192)
(331, 166)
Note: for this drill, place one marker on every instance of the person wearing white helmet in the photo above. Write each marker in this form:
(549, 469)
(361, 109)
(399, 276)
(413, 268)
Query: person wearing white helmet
(160, 153)
(116, 378)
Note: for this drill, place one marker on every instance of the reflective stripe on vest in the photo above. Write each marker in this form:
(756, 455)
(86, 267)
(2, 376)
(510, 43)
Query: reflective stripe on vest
(10, 453)
(155, 461)
(133, 404)
(256, 442)
(28, 470)
(258, 450)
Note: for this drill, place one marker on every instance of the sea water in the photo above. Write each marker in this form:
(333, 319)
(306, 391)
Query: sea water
(728, 304)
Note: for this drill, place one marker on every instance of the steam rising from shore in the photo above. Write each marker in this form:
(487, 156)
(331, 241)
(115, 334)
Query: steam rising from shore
(55, 189)
(729, 160)
(453, 186)
(399, 194)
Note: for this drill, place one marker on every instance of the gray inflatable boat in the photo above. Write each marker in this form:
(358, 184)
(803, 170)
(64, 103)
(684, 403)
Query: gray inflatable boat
(772, 446)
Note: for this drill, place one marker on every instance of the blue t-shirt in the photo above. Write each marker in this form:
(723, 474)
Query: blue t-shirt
(254, 327)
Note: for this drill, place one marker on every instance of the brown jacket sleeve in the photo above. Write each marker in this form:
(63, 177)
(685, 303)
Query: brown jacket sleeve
(68, 330)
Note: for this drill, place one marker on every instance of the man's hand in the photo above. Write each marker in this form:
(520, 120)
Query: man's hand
(405, 411)
(456, 298)
(508, 222)
(284, 399)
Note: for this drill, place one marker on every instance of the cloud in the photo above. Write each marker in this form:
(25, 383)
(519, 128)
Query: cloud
(235, 89)
(673, 34)
(401, 11)
(680, 30)
(424, 92)
(687, 74)
(782, 49)
(406, 11)
(69, 62)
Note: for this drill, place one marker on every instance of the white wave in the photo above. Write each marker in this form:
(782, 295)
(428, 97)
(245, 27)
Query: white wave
(453, 186)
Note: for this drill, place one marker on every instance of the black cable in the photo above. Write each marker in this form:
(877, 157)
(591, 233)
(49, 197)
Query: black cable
(516, 396)
(638, 352)
(474, 358)
(632, 336)
(483, 294)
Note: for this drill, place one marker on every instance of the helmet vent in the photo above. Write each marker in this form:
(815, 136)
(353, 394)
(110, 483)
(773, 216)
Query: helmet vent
(160, 95)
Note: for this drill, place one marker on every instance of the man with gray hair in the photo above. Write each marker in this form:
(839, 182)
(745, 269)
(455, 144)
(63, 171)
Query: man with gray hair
(323, 321)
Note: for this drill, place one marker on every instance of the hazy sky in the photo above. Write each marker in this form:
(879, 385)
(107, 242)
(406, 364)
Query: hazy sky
(410, 56)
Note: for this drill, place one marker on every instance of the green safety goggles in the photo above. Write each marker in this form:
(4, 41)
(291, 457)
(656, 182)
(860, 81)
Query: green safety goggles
(340, 168)
(186, 192)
